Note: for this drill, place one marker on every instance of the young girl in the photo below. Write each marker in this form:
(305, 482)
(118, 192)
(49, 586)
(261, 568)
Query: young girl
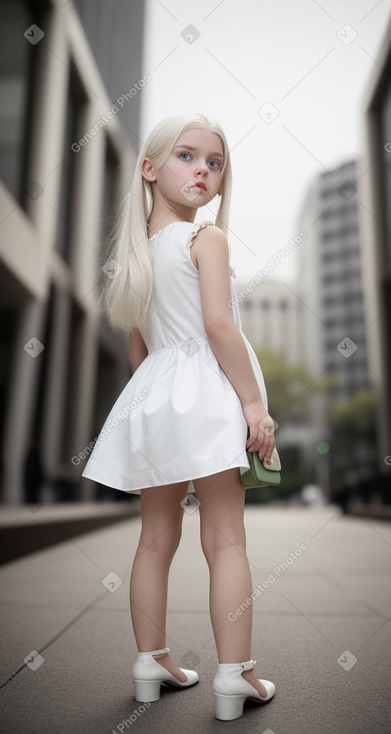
(183, 416)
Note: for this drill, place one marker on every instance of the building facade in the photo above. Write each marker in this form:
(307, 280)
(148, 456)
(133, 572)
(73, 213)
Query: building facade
(331, 284)
(272, 316)
(375, 219)
(68, 146)
(335, 317)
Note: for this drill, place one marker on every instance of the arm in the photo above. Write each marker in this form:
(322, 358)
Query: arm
(137, 350)
(211, 259)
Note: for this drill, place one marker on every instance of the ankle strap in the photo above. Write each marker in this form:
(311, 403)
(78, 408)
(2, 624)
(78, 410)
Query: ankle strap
(248, 665)
(155, 652)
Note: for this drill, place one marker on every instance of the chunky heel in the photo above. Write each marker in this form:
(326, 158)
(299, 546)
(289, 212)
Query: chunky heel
(231, 690)
(148, 675)
(146, 690)
(228, 708)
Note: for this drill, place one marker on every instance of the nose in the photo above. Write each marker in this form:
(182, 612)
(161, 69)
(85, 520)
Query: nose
(201, 167)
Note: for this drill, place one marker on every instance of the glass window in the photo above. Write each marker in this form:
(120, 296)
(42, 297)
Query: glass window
(73, 133)
(110, 195)
(18, 63)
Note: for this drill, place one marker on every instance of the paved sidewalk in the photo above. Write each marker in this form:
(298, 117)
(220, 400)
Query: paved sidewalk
(331, 601)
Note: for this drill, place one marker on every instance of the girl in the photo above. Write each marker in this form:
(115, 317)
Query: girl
(183, 416)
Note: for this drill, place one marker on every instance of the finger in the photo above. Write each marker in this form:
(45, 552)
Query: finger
(251, 436)
(261, 440)
(268, 454)
(266, 448)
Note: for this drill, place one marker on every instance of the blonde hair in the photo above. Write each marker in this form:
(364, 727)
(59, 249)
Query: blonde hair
(127, 295)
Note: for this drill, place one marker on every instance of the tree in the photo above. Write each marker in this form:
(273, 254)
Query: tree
(355, 417)
(353, 427)
(290, 387)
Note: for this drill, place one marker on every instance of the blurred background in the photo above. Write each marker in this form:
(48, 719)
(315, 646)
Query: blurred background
(304, 95)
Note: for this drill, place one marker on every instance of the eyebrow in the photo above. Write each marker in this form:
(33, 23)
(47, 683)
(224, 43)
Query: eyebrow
(190, 147)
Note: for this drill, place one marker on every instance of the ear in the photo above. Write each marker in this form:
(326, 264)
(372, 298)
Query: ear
(148, 170)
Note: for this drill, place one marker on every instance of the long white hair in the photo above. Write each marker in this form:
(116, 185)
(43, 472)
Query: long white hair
(126, 295)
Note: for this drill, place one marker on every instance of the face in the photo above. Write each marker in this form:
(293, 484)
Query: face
(192, 173)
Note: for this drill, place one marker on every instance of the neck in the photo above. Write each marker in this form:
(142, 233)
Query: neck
(164, 212)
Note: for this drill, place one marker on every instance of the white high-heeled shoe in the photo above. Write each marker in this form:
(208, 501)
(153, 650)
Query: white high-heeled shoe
(230, 690)
(148, 675)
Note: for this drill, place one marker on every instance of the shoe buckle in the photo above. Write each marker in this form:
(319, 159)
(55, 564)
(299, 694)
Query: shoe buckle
(248, 665)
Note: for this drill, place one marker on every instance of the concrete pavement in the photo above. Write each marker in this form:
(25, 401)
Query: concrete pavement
(321, 604)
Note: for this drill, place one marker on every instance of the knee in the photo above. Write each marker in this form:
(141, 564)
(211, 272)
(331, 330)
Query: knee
(163, 541)
(214, 539)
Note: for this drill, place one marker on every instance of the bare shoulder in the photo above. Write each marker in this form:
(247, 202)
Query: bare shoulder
(211, 232)
(210, 245)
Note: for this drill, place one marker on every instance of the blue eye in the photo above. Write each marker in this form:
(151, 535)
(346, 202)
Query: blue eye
(211, 164)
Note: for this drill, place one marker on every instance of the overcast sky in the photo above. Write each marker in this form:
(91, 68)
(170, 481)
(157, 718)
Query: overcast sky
(254, 52)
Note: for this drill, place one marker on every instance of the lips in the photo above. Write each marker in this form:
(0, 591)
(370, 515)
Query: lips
(201, 185)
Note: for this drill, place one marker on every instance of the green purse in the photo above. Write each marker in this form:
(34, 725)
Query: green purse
(260, 473)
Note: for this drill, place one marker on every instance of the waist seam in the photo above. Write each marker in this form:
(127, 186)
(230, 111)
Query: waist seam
(186, 345)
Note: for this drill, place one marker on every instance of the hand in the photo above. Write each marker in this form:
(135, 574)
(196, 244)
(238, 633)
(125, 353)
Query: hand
(261, 427)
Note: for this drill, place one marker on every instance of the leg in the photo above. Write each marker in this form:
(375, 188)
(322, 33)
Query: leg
(223, 541)
(162, 515)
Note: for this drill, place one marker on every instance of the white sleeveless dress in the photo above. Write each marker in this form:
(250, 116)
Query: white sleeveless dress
(178, 418)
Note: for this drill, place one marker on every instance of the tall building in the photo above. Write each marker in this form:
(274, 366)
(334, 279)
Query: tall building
(331, 289)
(72, 81)
(331, 281)
(375, 221)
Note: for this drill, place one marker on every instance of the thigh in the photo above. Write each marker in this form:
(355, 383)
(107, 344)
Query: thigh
(221, 509)
(161, 511)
